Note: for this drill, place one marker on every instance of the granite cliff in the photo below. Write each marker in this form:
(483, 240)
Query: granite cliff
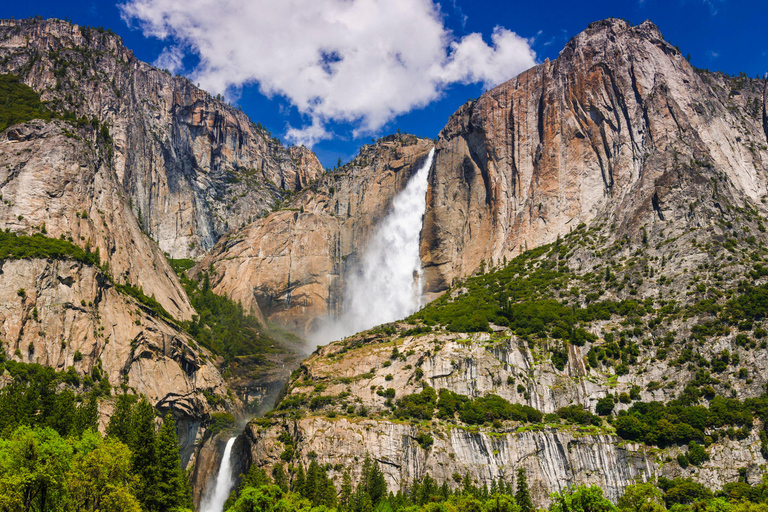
(192, 166)
(587, 135)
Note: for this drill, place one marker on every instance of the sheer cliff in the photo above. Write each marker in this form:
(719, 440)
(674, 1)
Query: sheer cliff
(192, 166)
(588, 134)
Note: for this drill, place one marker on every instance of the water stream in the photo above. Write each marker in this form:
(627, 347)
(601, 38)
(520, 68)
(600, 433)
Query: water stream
(386, 285)
(215, 498)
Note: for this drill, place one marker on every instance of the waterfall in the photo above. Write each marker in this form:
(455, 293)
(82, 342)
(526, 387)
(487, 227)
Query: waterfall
(386, 285)
(214, 501)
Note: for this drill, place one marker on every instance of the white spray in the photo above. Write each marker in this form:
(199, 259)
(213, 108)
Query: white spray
(214, 501)
(386, 285)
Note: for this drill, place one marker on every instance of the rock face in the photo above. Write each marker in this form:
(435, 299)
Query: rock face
(61, 180)
(585, 135)
(290, 265)
(192, 166)
(552, 459)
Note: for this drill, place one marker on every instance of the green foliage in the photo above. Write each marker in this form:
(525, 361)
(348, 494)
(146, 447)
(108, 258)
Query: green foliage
(180, 266)
(683, 491)
(42, 471)
(33, 397)
(220, 421)
(605, 405)
(581, 499)
(523, 494)
(160, 482)
(19, 103)
(222, 326)
(149, 302)
(577, 414)
(471, 411)
(659, 424)
(419, 405)
(15, 247)
(307, 489)
(641, 497)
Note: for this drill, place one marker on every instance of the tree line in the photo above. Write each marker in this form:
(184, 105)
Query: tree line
(52, 457)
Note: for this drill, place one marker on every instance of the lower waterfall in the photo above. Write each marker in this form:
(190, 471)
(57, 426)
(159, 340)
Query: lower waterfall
(215, 498)
(386, 285)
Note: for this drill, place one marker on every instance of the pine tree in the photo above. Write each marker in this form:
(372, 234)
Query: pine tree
(144, 448)
(310, 485)
(173, 489)
(523, 494)
(377, 488)
(300, 481)
(326, 490)
(468, 488)
(119, 426)
(280, 478)
(87, 416)
(346, 491)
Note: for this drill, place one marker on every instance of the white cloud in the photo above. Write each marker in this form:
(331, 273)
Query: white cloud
(358, 61)
(171, 59)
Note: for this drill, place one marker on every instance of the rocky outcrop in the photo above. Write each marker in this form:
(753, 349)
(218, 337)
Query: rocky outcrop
(193, 166)
(290, 265)
(583, 136)
(56, 180)
(341, 380)
(553, 459)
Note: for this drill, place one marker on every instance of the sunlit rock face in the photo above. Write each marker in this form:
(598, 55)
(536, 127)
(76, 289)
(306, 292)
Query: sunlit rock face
(588, 134)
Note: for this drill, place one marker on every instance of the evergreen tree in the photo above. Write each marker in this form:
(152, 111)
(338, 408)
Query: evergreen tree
(144, 461)
(361, 501)
(256, 477)
(300, 481)
(523, 494)
(310, 485)
(372, 480)
(280, 478)
(173, 489)
(120, 423)
(346, 491)
(467, 486)
(377, 485)
(86, 416)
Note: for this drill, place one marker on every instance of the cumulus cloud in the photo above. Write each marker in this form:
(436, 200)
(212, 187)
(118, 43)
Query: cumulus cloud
(358, 61)
(171, 59)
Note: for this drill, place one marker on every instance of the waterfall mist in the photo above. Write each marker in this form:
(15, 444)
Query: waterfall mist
(386, 284)
(215, 498)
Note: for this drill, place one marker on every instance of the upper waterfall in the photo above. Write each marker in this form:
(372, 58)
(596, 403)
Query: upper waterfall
(386, 285)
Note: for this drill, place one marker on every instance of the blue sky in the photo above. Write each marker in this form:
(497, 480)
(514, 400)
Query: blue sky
(443, 53)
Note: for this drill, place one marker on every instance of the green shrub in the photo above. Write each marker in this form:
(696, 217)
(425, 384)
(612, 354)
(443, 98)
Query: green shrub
(220, 421)
(20, 103)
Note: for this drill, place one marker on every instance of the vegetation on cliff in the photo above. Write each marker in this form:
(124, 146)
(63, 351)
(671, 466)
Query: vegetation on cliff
(222, 325)
(19, 103)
